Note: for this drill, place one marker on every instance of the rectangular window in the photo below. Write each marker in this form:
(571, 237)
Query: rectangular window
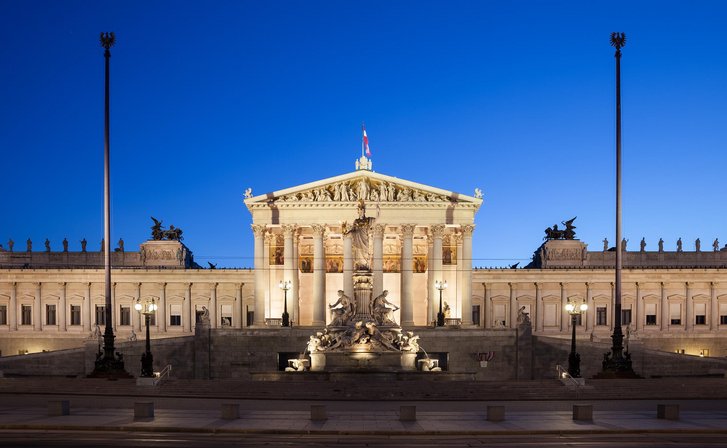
(100, 315)
(3, 315)
(175, 315)
(675, 313)
(226, 315)
(551, 315)
(499, 312)
(723, 313)
(650, 314)
(152, 319)
(626, 317)
(601, 316)
(579, 320)
(75, 314)
(476, 314)
(125, 315)
(50, 315)
(700, 314)
(26, 315)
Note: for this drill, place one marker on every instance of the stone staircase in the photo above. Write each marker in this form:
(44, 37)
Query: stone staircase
(364, 389)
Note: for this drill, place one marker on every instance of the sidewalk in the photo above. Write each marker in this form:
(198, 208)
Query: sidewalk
(362, 421)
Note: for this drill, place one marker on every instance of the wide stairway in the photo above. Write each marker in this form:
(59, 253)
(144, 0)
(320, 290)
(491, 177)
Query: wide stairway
(364, 388)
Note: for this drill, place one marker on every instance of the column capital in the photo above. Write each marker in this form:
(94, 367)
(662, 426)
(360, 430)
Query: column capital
(289, 230)
(318, 229)
(258, 229)
(437, 230)
(467, 229)
(378, 229)
(407, 230)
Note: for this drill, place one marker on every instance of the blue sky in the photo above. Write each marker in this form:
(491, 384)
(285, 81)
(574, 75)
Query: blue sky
(209, 98)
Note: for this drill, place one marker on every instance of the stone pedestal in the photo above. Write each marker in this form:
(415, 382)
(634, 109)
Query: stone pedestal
(561, 254)
(163, 253)
(363, 362)
(317, 362)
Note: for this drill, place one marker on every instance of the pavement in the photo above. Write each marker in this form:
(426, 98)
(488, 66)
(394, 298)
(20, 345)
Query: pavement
(359, 417)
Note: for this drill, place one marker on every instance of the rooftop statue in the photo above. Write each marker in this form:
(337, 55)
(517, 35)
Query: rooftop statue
(158, 234)
(569, 233)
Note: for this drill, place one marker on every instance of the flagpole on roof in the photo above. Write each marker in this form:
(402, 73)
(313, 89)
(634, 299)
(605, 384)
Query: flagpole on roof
(363, 129)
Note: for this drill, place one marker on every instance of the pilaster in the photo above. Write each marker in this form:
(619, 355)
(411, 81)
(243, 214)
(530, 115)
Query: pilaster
(259, 312)
(435, 273)
(319, 275)
(407, 275)
(467, 274)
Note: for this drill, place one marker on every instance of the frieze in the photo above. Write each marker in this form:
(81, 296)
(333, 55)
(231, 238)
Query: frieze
(366, 189)
(564, 254)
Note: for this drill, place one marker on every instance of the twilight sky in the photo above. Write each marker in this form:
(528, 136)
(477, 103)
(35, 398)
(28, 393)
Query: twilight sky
(516, 98)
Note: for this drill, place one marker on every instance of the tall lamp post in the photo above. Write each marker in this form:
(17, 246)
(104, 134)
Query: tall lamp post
(285, 286)
(617, 363)
(108, 363)
(441, 286)
(574, 359)
(147, 360)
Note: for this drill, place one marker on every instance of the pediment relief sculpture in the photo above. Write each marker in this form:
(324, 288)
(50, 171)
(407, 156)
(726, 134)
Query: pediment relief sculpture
(372, 190)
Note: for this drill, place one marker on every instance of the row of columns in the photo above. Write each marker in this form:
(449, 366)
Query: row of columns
(290, 258)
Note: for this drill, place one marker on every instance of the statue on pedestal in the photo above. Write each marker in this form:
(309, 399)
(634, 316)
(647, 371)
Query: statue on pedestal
(343, 310)
(359, 232)
(381, 309)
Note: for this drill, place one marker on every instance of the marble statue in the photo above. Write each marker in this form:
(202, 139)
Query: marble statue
(121, 245)
(715, 245)
(381, 309)
(697, 245)
(132, 336)
(605, 244)
(11, 243)
(343, 310)
(248, 193)
(47, 245)
(478, 193)
(523, 318)
(643, 244)
(679, 245)
(359, 232)
(65, 244)
(29, 245)
(661, 245)
(624, 241)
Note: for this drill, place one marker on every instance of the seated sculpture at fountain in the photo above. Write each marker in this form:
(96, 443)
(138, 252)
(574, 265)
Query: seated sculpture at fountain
(381, 309)
(343, 310)
(359, 232)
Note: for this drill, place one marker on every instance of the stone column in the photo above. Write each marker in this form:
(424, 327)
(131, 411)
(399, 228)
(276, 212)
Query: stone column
(290, 269)
(688, 308)
(590, 311)
(664, 321)
(539, 308)
(611, 307)
(214, 319)
(319, 275)
(187, 312)
(378, 261)
(13, 311)
(637, 318)
(432, 298)
(259, 316)
(714, 307)
(437, 233)
(38, 307)
(138, 315)
(563, 317)
(162, 309)
(513, 306)
(407, 275)
(89, 309)
(467, 274)
(296, 279)
(488, 306)
(348, 265)
(62, 308)
(237, 308)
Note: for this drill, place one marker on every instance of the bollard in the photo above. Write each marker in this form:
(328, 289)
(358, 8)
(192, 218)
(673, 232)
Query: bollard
(583, 412)
(230, 411)
(667, 411)
(408, 414)
(495, 413)
(318, 413)
(143, 409)
(59, 407)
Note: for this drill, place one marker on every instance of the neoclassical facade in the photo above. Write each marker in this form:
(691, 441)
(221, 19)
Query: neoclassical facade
(419, 235)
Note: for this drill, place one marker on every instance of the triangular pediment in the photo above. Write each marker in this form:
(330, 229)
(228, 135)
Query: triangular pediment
(362, 184)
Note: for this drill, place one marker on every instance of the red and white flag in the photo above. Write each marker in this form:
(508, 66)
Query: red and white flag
(366, 142)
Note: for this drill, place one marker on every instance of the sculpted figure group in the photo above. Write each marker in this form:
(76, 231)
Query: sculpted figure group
(364, 189)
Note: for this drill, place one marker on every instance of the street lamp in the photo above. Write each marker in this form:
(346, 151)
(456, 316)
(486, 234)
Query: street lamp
(574, 359)
(285, 286)
(148, 308)
(441, 286)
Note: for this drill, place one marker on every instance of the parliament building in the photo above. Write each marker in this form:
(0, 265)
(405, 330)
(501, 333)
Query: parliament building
(420, 237)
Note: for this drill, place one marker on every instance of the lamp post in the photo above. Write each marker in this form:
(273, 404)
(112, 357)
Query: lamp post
(285, 286)
(441, 286)
(574, 359)
(147, 360)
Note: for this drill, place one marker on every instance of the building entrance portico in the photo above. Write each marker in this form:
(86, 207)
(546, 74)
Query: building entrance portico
(418, 234)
